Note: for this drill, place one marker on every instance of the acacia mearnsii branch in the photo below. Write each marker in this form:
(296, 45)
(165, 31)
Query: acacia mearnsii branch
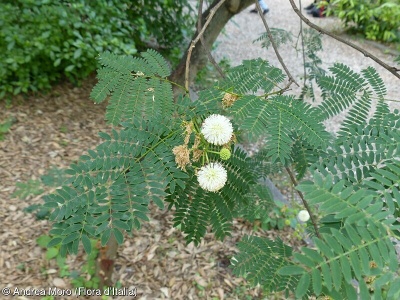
(291, 79)
(208, 52)
(391, 69)
(194, 42)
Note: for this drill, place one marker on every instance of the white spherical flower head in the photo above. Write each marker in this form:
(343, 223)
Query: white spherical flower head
(217, 129)
(303, 216)
(212, 177)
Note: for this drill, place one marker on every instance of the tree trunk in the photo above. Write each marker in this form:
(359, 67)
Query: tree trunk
(199, 56)
(105, 262)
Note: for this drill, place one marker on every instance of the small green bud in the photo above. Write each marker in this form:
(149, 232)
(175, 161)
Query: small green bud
(225, 154)
(287, 222)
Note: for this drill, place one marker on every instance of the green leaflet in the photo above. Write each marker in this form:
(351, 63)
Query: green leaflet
(112, 186)
(251, 76)
(196, 208)
(261, 259)
(137, 86)
(278, 118)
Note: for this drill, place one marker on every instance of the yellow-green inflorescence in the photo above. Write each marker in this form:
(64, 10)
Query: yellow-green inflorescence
(225, 154)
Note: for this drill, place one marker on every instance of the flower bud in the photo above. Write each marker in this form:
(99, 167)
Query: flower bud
(225, 154)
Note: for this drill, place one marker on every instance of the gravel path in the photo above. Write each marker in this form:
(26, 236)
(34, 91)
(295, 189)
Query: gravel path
(236, 44)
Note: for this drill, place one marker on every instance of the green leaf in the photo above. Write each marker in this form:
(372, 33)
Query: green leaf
(105, 237)
(336, 274)
(291, 270)
(355, 263)
(70, 238)
(57, 62)
(101, 227)
(43, 240)
(304, 260)
(26, 189)
(335, 246)
(384, 279)
(303, 285)
(364, 257)
(72, 228)
(351, 291)
(118, 236)
(77, 53)
(346, 270)
(87, 245)
(364, 292)
(325, 249)
(313, 255)
(121, 224)
(51, 253)
(69, 68)
(326, 272)
(54, 242)
(316, 281)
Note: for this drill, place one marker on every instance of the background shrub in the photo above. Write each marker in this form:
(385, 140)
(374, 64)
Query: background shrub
(42, 41)
(377, 20)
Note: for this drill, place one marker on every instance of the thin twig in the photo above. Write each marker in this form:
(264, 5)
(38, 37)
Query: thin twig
(280, 92)
(291, 79)
(208, 52)
(302, 48)
(194, 42)
(391, 69)
(294, 181)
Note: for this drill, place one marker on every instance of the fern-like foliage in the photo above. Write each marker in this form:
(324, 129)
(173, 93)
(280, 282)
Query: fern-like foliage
(361, 248)
(347, 89)
(262, 167)
(260, 260)
(196, 208)
(362, 150)
(359, 251)
(278, 118)
(251, 76)
(137, 86)
(376, 82)
(385, 181)
(303, 155)
(356, 186)
(279, 35)
(208, 103)
(312, 44)
(259, 201)
(111, 187)
(339, 91)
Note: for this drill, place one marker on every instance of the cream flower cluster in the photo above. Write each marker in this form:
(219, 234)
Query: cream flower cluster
(212, 177)
(303, 216)
(217, 129)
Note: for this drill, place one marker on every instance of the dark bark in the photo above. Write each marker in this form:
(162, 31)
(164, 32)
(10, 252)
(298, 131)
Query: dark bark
(199, 56)
(105, 262)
